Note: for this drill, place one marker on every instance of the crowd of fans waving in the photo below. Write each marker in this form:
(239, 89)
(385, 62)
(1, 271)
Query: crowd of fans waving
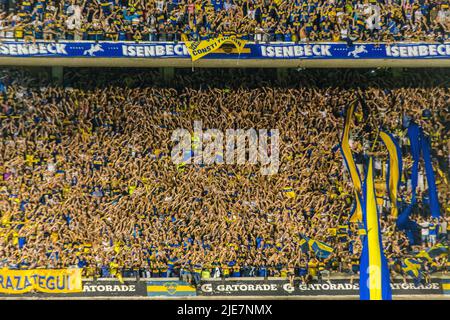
(254, 20)
(86, 177)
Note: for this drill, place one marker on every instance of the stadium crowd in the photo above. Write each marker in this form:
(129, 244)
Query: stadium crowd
(259, 20)
(86, 177)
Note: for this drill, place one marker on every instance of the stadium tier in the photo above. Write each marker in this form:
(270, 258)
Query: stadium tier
(88, 180)
(252, 20)
(156, 148)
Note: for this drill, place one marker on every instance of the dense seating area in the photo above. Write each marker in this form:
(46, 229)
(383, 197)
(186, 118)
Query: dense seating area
(253, 20)
(86, 177)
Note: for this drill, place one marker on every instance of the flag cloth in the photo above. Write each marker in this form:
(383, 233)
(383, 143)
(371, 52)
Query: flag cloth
(421, 144)
(304, 245)
(412, 268)
(424, 254)
(403, 222)
(320, 249)
(432, 192)
(199, 49)
(438, 250)
(414, 139)
(435, 251)
(394, 169)
(374, 281)
(350, 163)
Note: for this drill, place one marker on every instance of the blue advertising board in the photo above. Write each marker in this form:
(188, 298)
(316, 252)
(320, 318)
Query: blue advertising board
(161, 50)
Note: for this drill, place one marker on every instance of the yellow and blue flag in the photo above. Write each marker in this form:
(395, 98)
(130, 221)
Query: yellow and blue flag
(374, 281)
(320, 249)
(423, 254)
(304, 245)
(438, 250)
(412, 268)
(350, 163)
(394, 169)
(433, 252)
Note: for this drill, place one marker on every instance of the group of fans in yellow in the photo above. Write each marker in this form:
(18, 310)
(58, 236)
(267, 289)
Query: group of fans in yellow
(259, 20)
(87, 180)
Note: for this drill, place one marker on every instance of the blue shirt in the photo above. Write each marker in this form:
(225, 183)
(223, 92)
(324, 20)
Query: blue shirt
(262, 272)
(433, 229)
(218, 4)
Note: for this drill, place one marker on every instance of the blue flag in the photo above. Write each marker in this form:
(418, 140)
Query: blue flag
(432, 192)
(420, 144)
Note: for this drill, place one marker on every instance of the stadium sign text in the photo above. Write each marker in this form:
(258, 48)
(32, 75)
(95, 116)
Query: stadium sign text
(22, 49)
(168, 50)
(288, 51)
(414, 51)
(274, 50)
(240, 287)
(109, 288)
(333, 287)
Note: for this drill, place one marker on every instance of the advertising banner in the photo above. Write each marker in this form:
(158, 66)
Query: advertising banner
(334, 287)
(113, 288)
(98, 288)
(89, 50)
(446, 286)
(230, 287)
(42, 280)
(199, 49)
(170, 288)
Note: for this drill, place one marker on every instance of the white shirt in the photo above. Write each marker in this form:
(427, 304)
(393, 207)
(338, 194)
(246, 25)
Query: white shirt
(377, 164)
(443, 226)
(442, 15)
(251, 14)
(51, 167)
(367, 9)
(425, 231)
(75, 9)
(160, 5)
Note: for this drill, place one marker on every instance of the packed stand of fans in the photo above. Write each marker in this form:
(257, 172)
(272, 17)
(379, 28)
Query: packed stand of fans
(254, 20)
(86, 177)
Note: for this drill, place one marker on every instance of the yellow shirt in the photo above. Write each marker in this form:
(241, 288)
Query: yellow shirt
(54, 237)
(332, 231)
(312, 268)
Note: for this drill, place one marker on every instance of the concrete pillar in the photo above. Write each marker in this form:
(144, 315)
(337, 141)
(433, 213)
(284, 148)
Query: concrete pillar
(58, 74)
(167, 74)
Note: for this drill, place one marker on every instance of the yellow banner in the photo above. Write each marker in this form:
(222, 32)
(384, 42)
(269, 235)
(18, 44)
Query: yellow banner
(394, 174)
(348, 157)
(199, 49)
(42, 280)
(373, 235)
